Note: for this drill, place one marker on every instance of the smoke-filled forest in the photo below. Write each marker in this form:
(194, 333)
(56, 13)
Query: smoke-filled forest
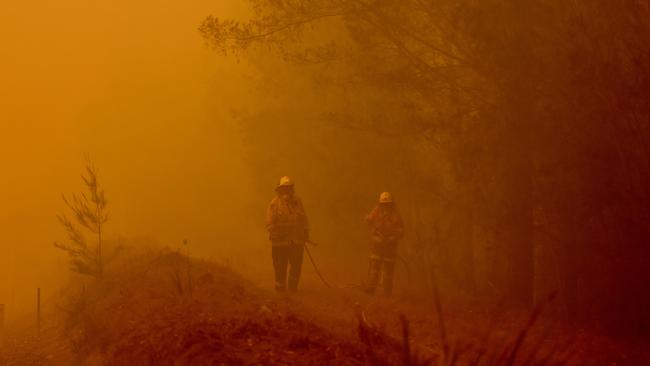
(332, 182)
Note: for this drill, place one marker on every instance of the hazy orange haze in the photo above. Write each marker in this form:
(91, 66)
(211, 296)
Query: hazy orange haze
(131, 84)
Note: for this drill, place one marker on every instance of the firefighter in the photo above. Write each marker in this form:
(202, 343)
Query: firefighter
(386, 229)
(288, 228)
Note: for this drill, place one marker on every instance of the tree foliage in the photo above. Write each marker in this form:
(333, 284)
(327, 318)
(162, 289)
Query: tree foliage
(89, 212)
(527, 125)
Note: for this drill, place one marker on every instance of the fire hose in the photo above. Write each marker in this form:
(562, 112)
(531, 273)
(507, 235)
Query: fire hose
(311, 259)
(322, 278)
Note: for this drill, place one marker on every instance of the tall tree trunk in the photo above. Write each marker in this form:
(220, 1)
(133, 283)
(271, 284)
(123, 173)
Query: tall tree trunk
(520, 245)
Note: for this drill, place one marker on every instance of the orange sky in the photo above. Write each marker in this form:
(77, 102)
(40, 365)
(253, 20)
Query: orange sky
(131, 84)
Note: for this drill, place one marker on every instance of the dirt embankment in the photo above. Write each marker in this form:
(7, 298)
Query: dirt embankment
(161, 309)
(158, 308)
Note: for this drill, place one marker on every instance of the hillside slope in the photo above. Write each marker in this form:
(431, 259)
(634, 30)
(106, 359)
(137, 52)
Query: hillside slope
(158, 308)
(148, 311)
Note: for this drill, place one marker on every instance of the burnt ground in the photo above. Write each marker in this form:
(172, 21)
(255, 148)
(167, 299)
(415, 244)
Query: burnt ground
(148, 311)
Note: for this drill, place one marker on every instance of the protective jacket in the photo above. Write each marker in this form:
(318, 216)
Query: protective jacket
(287, 222)
(387, 228)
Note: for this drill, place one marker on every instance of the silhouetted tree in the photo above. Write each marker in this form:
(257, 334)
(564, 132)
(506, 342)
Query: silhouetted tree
(445, 69)
(89, 212)
(538, 110)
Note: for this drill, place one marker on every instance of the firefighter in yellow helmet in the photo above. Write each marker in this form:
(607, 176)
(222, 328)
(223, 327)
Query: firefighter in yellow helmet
(288, 228)
(386, 229)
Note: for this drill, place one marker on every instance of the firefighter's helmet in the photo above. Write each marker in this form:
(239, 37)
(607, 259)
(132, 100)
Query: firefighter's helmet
(385, 197)
(285, 182)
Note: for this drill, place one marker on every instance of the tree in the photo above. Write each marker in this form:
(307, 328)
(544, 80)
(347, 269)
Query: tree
(89, 212)
(439, 70)
(537, 113)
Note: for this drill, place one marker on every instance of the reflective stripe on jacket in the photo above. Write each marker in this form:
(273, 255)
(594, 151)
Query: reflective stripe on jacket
(386, 228)
(286, 221)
